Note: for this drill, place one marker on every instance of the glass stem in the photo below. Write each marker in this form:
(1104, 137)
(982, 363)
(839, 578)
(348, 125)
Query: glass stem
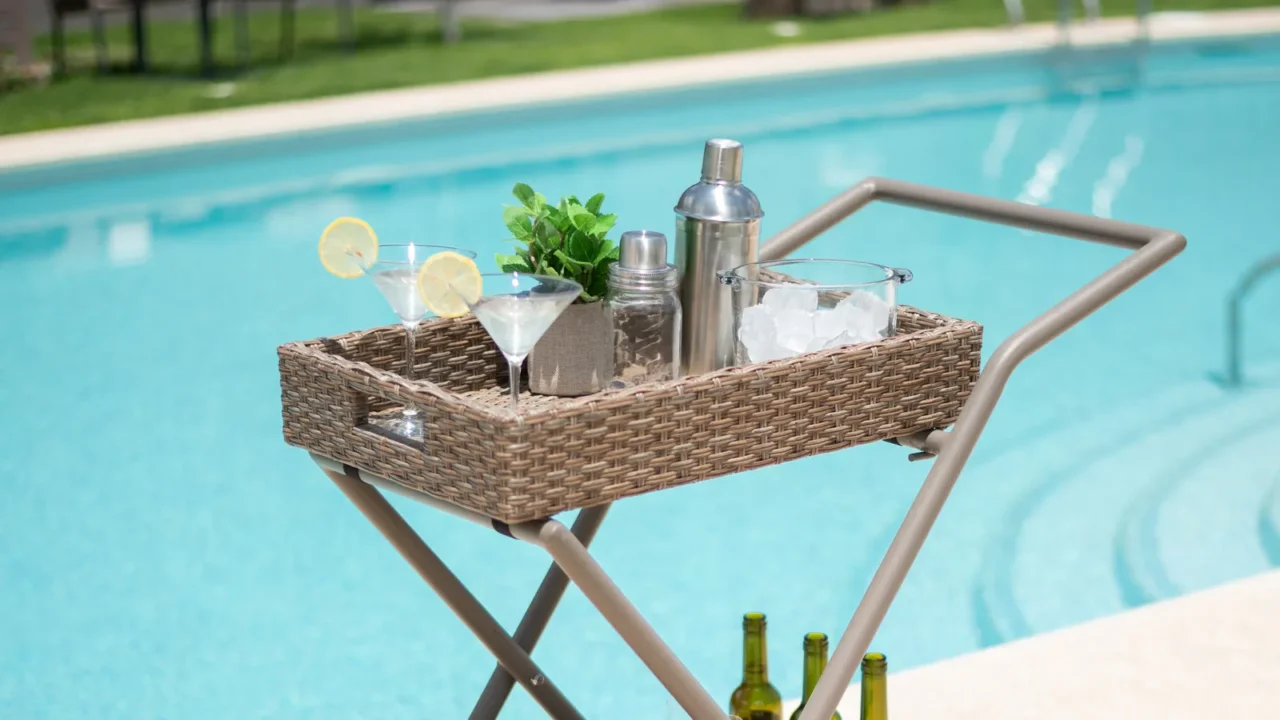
(410, 346)
(513, 379)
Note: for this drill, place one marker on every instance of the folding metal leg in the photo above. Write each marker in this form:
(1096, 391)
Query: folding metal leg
(582, 569)
(535, 617)
(568, 550)
(455, 595)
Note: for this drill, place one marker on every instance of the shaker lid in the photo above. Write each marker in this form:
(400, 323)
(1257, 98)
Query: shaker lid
(642, 250)
(720, 195)
(722, 161)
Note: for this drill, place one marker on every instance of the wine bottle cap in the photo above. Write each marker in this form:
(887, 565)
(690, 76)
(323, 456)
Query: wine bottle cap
(816, 640)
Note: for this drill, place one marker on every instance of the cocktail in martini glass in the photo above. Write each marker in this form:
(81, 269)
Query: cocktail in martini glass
(517, 309)
(396, 276)
(349, 248)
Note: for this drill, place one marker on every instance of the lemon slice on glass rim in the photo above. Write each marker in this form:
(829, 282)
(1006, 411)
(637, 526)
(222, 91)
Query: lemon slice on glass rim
(347, 247)
(443, 281)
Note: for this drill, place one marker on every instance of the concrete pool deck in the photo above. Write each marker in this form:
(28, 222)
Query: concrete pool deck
(1210, 654)
(185, 131)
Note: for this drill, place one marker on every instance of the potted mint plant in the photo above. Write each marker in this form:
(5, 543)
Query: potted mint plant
(567, 240)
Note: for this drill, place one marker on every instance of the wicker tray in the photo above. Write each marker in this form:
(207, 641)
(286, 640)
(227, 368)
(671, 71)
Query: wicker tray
(567, 453)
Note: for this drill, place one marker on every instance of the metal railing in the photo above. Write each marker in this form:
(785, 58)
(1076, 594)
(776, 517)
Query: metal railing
(1092, 11)
(1234, 375)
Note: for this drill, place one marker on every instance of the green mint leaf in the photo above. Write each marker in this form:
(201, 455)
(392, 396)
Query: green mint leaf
(602, 265)
(512, 263)
(580, 247)
(565, 239)
(604, 224)
(569, 263)
(599, 285)
(525, 195)
(516, 218)
(582, 218)
(606, 249)
(546, 235)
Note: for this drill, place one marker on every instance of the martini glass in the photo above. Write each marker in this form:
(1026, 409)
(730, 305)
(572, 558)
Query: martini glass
(516, 309)
(396, 276)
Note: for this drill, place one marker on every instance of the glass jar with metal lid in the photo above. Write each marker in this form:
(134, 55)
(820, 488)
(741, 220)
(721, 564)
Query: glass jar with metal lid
(644, 305)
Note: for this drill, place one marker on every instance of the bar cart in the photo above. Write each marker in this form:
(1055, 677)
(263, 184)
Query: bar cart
(513, 474)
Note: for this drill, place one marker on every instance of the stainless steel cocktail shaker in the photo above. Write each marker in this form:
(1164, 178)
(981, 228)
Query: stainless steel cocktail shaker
(717, 228)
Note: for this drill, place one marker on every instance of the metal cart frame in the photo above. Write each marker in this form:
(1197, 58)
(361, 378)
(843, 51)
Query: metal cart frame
(1152, 248)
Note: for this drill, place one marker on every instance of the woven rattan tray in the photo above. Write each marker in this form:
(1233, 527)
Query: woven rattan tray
(567, 453)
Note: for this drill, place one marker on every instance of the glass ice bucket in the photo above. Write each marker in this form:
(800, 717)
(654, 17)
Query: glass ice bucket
(786, 308)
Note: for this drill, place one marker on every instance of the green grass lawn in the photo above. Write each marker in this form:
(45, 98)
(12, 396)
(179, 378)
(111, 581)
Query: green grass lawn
(398, 50)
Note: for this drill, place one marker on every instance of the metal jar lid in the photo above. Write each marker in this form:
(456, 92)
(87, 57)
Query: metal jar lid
(642, 261)
(642, 250)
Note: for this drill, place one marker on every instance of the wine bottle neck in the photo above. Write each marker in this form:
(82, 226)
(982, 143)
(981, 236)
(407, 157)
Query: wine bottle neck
(815, 662)
(755, 662)
(874, 701)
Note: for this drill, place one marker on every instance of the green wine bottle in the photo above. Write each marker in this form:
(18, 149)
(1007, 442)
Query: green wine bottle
(755, 698)
(874, 700)
(815, 661)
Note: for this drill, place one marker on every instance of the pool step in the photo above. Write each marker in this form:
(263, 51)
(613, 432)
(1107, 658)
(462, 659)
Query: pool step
(1269, 524)
(1053, 562)
(1041, 470)
(1198, 525)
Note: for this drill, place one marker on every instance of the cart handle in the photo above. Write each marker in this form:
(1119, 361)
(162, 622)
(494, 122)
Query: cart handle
(1153, 248)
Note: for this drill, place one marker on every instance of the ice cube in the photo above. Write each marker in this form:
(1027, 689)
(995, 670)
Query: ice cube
(768, 351)
(865, 316)
(756, 330)
(791, 298)
(816, 344)
(863, 328)
(848, 314)
(827, 324)
(757, 319)
(794, 329)
(840, 341)
(874, 307)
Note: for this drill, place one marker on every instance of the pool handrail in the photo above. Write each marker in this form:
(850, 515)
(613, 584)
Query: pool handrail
(1234, 375)
(1153, 247)
(1092, 11)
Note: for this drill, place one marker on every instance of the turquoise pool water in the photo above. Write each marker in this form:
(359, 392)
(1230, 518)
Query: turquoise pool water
(163, 554)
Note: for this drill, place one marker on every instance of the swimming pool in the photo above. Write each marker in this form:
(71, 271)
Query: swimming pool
(164, 555)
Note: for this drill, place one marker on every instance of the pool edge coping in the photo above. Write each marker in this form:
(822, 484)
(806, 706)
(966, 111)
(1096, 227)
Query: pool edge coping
(1119, 665)
(121, 139)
